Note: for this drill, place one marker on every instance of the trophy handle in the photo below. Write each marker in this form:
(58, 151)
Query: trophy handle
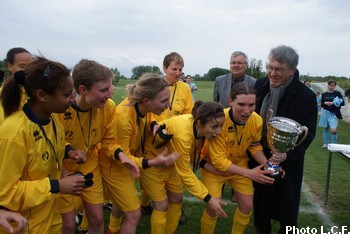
(305, 132)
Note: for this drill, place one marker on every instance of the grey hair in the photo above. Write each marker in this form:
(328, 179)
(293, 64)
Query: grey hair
(285, 54)
(238, 53)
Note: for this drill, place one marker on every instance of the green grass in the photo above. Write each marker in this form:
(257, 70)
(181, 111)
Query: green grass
(316, 159)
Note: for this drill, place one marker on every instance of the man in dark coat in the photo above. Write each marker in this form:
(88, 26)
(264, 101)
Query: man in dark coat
(283, 93)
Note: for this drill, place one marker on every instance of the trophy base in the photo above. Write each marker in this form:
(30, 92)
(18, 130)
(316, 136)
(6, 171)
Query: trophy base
(277, 176)
(276, 172)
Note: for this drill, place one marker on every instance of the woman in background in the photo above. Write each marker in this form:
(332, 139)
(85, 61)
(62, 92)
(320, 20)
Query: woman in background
(17, 59)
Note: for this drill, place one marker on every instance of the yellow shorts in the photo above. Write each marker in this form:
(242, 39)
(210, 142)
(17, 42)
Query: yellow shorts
(214, 183)
(120, 186)
(91, 195)
(155, 182)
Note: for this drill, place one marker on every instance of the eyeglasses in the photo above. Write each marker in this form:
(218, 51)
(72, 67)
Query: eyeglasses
(238, 63)
(278, 70)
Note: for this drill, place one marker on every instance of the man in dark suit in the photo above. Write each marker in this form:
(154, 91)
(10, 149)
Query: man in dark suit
(283, 93)
(224, 83)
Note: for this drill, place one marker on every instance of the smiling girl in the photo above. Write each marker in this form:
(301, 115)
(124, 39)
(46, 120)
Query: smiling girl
(227, 153)
(165, 185)
(33, 145)
(89, 124)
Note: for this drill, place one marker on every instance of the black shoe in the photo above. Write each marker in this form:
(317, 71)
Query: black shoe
(183, 218)
(108, 205)
(79, 218)
(82, 231)
(147, 209)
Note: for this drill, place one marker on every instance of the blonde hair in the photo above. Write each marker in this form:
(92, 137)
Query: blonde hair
(148, 86)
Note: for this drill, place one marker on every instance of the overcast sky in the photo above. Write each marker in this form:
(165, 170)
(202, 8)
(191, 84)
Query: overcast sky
(129, 33)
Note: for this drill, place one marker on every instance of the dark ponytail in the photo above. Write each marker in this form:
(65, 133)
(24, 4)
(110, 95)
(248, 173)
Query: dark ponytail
(11, 93)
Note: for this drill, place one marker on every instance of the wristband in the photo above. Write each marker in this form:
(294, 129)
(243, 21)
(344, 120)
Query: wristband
(207, 198)
(145, 163)
(116, 153)
(67, 149)
(202, 163)
(55, 186)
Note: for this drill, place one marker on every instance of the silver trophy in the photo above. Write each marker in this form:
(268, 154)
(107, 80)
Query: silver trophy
(283, 135)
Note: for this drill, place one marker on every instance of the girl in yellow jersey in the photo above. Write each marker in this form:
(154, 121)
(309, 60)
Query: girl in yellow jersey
(189, 134)
(150, 95)
(181, 103)
(33, 145)
(227, 153)
(16, 59)
(89, 124)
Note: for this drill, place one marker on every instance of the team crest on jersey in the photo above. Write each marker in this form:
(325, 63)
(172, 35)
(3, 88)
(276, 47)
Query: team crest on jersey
(249, 141)
(230, 129)
(67, 115)
(94, 132)
(37, 135)
(68, 133)
(45, 156)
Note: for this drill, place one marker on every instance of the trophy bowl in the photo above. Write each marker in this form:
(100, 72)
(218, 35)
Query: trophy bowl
(283, 135)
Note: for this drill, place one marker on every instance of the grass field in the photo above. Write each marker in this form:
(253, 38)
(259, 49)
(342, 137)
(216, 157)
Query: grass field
(313, 213)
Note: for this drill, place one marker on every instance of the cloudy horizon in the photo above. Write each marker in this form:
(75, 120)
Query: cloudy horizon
(125, 34)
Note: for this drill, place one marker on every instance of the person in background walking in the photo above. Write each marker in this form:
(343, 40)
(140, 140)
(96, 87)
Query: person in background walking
(331, 102)
(192, 86)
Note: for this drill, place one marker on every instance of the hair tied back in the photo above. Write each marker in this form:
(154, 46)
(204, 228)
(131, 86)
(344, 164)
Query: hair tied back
(19, 77)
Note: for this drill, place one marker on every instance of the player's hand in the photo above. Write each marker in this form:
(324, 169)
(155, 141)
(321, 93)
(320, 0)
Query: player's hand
(134, 169)
(6, 217)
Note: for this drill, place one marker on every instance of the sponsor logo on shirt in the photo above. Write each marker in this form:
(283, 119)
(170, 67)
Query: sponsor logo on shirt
(37, 135)
(67, 115)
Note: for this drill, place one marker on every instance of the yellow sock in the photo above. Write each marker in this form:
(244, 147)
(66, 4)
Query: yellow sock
(173, 217)
(240, 222)
(158, 222)
(114, 223)
(84, 222)
(144, 198)
(208, 223)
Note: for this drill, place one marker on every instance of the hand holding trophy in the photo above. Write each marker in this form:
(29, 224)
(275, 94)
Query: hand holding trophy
(283, 135)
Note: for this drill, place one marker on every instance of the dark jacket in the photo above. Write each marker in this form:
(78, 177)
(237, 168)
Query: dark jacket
(299, 104)
(329, 97)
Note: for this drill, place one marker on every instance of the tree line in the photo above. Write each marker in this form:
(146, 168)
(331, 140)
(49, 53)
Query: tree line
(256, 68)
